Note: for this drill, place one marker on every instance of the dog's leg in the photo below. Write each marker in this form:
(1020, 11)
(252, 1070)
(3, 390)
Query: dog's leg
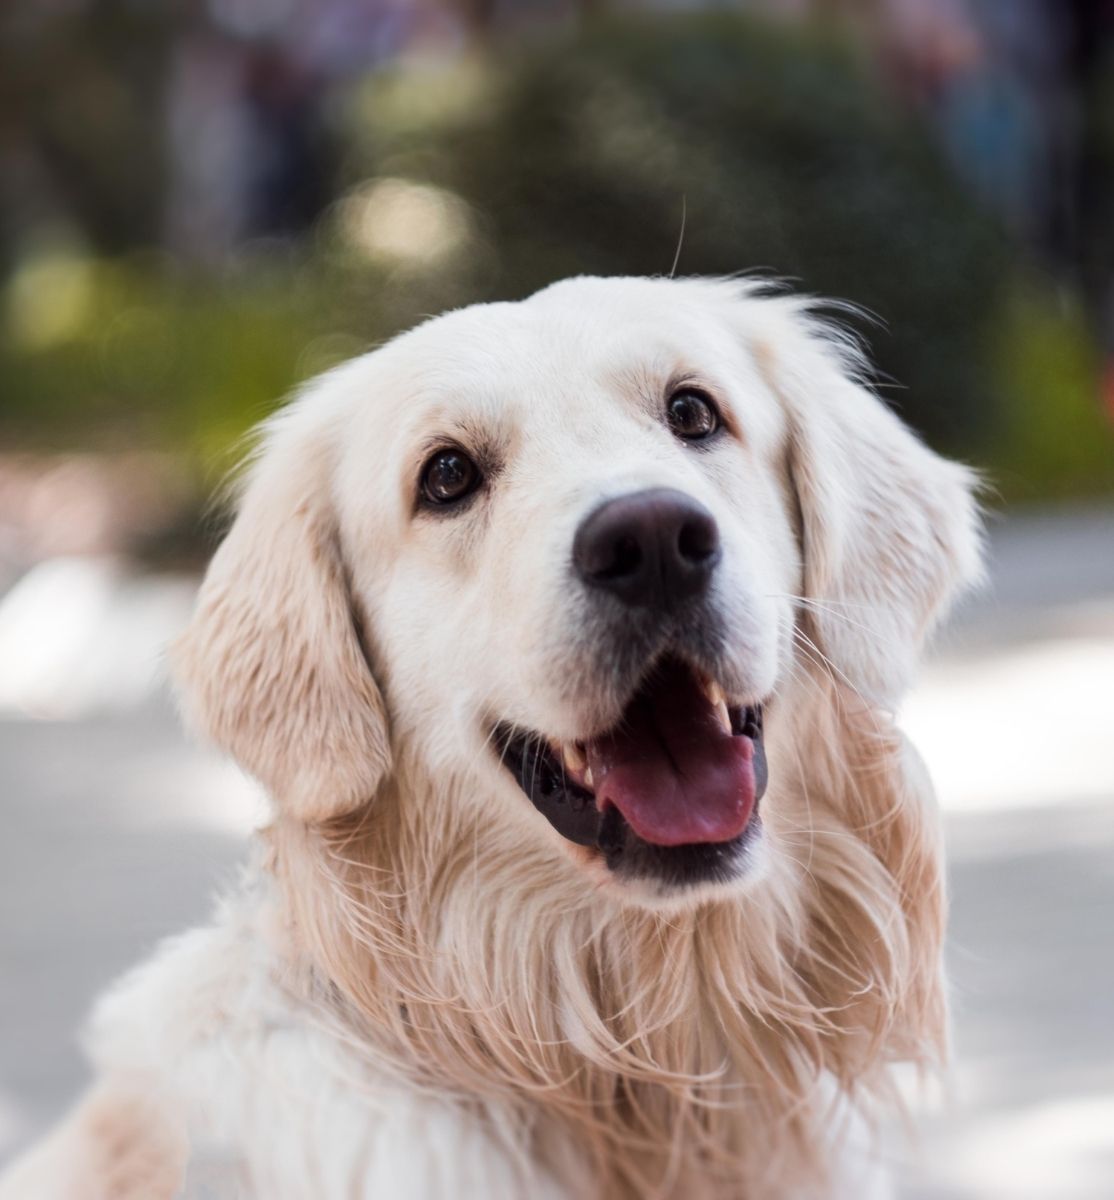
(120, 1143)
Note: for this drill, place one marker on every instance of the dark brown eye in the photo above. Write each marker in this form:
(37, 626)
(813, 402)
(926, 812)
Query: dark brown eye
(449, 476)
(692, 415)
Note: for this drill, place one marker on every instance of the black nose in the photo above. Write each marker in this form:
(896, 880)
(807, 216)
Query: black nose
(650, 549)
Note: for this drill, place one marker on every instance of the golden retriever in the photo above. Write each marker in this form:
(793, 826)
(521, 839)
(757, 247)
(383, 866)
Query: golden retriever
(565, 636)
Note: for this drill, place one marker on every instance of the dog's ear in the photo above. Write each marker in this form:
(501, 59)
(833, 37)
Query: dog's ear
(272, 667)
(889, 530)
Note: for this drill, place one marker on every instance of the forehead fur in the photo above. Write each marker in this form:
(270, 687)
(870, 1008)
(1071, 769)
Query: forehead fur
(561, 355)
(585, 325)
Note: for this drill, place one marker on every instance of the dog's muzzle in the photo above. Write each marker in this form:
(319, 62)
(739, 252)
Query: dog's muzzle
(671, 791)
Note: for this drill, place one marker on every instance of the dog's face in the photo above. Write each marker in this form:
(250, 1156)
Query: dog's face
(576, 534)
(571, 536)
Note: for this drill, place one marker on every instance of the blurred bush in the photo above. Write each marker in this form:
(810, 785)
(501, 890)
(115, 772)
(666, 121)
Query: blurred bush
(101, 353)
(580, 156)
(83, 83)
(489, 175)
(1052, 440)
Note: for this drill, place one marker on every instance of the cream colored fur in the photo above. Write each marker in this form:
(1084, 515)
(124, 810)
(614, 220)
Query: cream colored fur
(422, 991)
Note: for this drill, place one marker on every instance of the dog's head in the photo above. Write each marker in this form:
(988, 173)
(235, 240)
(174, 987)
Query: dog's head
(568, 553)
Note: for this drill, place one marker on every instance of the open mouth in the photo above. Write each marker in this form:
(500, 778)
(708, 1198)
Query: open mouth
(671, 790)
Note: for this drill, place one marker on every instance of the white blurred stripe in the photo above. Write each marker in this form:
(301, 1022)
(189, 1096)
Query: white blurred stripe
(1031, 725)
(1053, 1151)
(82, 634)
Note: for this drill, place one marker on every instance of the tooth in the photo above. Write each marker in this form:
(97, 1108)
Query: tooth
(715, 692)
(588, 782)
(723, 715)
(574, 758)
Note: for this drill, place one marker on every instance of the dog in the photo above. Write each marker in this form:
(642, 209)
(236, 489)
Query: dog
(565, 636)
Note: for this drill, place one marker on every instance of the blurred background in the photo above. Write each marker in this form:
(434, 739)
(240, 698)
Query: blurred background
(205, 202)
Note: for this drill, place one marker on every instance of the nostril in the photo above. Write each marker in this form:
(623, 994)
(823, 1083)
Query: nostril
(625, 559)
(698, 540)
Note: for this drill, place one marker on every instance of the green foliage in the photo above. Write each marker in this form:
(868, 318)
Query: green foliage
(144, 354)
(580, 156)
(84, 84)
(489, 176)
(1053, 439)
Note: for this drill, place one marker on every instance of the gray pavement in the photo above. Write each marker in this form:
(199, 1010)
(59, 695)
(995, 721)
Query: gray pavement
(89, 882)
(117, 832)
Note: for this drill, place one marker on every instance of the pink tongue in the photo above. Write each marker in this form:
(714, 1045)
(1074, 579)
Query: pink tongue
(670, 768)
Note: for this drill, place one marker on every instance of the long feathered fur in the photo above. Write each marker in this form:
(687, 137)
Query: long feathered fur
(655, 1054)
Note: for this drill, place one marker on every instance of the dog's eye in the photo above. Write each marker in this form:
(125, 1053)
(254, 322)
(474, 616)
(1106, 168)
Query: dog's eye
(449, 476)
(692, 415)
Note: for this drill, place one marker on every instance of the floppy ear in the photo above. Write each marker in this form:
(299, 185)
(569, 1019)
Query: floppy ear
(889, 530)
(271, 666)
